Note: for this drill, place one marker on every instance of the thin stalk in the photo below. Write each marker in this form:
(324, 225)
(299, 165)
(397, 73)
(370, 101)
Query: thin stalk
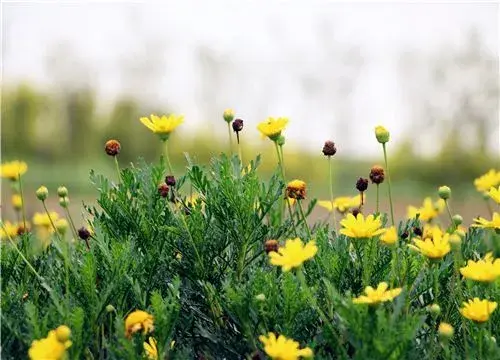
(167, 157)
(51, 221)
(22, 200)
(449, 214)
(388, 183)
(280, 163)
(304, 218)
(118, 169)
(230, 138)
(378, 201)
(291, 216)
(72, 224)
(330, 176)
(239, 149)
(436, 281)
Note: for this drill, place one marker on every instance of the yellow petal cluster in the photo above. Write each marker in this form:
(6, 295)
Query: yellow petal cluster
(485, 182)
(53, 347)
(138, 320)
(272, 127)
(17, 202)
(151, 349)
(163, 125)
(478, 310)
(486, 269)
(296, 189)
(13, 169)
(494, 193)
(428, 211)
(390, 236)
(375, 296)
(341, 203)
(293, 254)
(8, 230)
(42, 219)
(359, 227)
(487, 224)
(434, 247)
(281, 348)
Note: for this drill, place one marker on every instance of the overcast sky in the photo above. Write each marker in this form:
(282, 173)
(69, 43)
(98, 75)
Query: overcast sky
(265, 44)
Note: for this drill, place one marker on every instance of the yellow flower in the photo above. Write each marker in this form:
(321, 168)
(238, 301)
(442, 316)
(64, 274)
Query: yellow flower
(375, 296)
(390, 236)
(483, 223)
(341, 203)
(42, 219)
(435, 247)
(61, 225)
(487, 269)
(8, 230)
(428, 211)
(164, 125)
(17, 202)
(53, 347)
(138, 320)
(13, 169)
(296, 189)
(478, 310)
(272, 127)
(494, 193)
(359, 227)
(485, 182)
(293, 254)
(445, 330)
(151, 349)
(282, 348)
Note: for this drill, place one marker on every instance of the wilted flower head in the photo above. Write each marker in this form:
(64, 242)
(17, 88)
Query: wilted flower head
(362, 184)
(296, 189)
(83, 233)
(377, 174)
(375, 296)
(112, 147)
(282, 348)
(138, 320)
(272, 127)
(164, 125)
(237, 125)
(478, 310)
(293, 254)
(163, 190)
(485, 182)
(271, 245)
(329, 148)
(13, 169)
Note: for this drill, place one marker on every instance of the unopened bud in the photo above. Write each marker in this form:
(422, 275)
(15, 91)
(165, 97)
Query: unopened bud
(457, 219)
(42, 193)
(163, 190)
(17, 202)
(382, 134)
(455, 241)
(63, 333)
(260, 297)
(444, 192)
(64, 201)
(83, 233)
(112, 147)
(329, 148)
(170, 180)
(62, 191)
(280, 140)
(362, 184)
(228, 115)
(377, 174)
(435, 309)
(446, 330)
(237, 125)
(110, 308)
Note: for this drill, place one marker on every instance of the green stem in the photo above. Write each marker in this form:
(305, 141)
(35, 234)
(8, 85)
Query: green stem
(299, 202)
(294, 226)
(230, 138)
(280, 163)
(72, 224)
(118, 169)
(388, 183)
(22, 201)
(480, 345)
(330, 176)
(239, 150)
(167, 157)
(436, 281)
(449, 214)
(378, 202)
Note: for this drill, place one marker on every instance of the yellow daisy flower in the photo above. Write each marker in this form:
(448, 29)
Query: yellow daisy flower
(435, 247)
(282, 348)
(13, 169)
(151, 349)
(296, 189)
(53, 347)
(17, 202)
(359, 227)
(138, 320)
(293, 254)
(272, 127)
(478, 310)
(42, 219)
(486, 224)
(375, 296)
(164, 125)
(494, 193)
(390, 236)
(486, 270)
(485, 182)
(428, 211)
(8, 230)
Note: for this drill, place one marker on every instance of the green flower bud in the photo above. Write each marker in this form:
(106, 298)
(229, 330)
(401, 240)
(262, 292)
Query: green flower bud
(382, 134)
(280, 140)
(457, 219)
(110, 308)
(64, 201)
(444, 192)
(228, 115)
(260, 297)
(434, 309)
(62, 191)
(42, 193)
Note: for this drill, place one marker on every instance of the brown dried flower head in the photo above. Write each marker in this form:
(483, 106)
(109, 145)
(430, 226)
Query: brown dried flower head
(271, 245)
(296, 189)
(362, 184)
(377, 174)
(112, 147)
(329, 148)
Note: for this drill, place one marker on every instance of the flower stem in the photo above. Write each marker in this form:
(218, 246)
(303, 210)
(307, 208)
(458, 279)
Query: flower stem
(22, 200)
(378, 201)
(239, 150)
(299, 202)
(167, 157)
(230, 138)
(280, 163)
(72, 224)
(449, 214)
(330, 176)
(388, 183)
(118, 169)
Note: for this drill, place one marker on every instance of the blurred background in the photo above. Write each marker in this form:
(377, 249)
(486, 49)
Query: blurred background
(77, 74)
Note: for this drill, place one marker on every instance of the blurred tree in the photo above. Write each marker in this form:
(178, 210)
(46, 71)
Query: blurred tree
(80, 107)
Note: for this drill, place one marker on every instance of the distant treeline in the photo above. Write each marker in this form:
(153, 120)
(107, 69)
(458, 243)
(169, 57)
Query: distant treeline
(67, 128)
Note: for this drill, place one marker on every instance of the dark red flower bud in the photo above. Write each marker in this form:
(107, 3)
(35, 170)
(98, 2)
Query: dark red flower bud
(362, 184)
(329, 148)
(170, 180)
(83, 233)
(112, 147)
(163, 190)
(237, 125)
(377, 175)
